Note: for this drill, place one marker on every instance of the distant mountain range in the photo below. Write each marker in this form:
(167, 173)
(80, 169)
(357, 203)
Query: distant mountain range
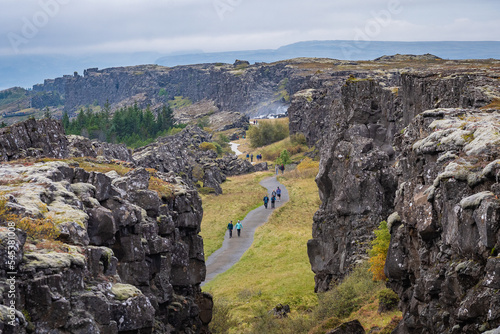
(27, 70)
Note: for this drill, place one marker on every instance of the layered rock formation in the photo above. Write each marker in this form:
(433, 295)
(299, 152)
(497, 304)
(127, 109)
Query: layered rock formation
(356, 125)
(443, 259)
(131, 261)
(235, 88)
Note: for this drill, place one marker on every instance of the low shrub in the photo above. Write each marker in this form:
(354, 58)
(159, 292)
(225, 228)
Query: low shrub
(348, 296)
(205, 146)
(35, 228)
(162, 188)
(378, 251)
(388, 300)
(267, 133)
(221, 317)
(298, 139)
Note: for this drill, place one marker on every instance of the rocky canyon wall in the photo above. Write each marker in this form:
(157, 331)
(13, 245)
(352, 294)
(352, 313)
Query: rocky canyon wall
(358, 127)
(128, 258)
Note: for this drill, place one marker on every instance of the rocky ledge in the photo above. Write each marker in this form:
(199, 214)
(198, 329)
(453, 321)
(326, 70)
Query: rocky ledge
(128, 258)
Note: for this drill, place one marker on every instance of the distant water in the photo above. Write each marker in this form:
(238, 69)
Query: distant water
(27, 70)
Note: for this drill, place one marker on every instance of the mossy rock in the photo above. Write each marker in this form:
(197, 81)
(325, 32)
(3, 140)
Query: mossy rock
(52, 260)
(125, 291)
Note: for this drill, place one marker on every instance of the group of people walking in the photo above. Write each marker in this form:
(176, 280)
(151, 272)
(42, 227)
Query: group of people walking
(238, 227)
(250, 156)
(275, 195)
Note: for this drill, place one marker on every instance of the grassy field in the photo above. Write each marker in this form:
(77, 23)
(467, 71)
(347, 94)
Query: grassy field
(276, 268)
(241, 194)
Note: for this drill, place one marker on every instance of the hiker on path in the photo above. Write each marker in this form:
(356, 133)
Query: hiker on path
(282, 168)
(238, 228)
(278, 193)
(273, 200)
(266, 200)
(230, 228)
(276, 169)
(273, 194)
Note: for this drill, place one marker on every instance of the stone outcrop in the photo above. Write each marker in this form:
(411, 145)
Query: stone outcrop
(354, 125)
(44, 138)
(443, 259)
(131, 262)
(181, 154)
(356, 119)
(83, 147)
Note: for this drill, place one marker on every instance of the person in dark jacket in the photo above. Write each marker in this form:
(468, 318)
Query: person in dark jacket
(273, 200)
(230, 228)
(266, 200)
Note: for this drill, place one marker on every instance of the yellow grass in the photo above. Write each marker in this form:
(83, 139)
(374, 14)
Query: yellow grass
(241, 194)
(276, 268)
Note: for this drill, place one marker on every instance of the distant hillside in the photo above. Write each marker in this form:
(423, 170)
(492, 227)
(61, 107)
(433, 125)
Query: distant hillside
(27, 70)
(346, 50)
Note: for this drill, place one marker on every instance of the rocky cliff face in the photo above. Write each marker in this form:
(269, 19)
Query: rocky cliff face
(237, 88)
(130, 261)
(443, 259)
(361, 181)
(128, 257)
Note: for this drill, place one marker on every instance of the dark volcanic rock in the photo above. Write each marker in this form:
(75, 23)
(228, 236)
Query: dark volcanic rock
(141, 272)
(442, 259)
(439, 180)
(354, 124)
(83, 147)
(31, 138)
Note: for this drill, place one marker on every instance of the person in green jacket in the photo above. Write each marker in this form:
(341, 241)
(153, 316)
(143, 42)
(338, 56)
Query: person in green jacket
(238, 228)
(230, 228)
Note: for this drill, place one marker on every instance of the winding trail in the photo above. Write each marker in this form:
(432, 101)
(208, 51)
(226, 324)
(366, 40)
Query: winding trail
(234, 147)
(233, 248)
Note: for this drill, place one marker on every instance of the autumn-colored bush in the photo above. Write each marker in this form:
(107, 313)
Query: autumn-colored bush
(378, 251)
(307, 163)
(162, 188)
(35, 228)
(205, 146)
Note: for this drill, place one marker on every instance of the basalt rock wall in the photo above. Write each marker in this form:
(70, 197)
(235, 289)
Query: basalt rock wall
(354, 125)
(127, 257)
(237, 88)
(445, 233)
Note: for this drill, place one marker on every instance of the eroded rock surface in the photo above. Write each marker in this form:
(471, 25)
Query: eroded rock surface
(435, 183)
(443, 259)
(131, 262)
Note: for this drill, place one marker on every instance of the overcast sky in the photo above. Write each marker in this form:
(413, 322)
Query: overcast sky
(165, 26)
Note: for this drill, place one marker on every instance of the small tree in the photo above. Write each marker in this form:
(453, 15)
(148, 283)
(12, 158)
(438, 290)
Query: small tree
(378, 252)
(47, 114)
(65, 120)
(284, 158)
